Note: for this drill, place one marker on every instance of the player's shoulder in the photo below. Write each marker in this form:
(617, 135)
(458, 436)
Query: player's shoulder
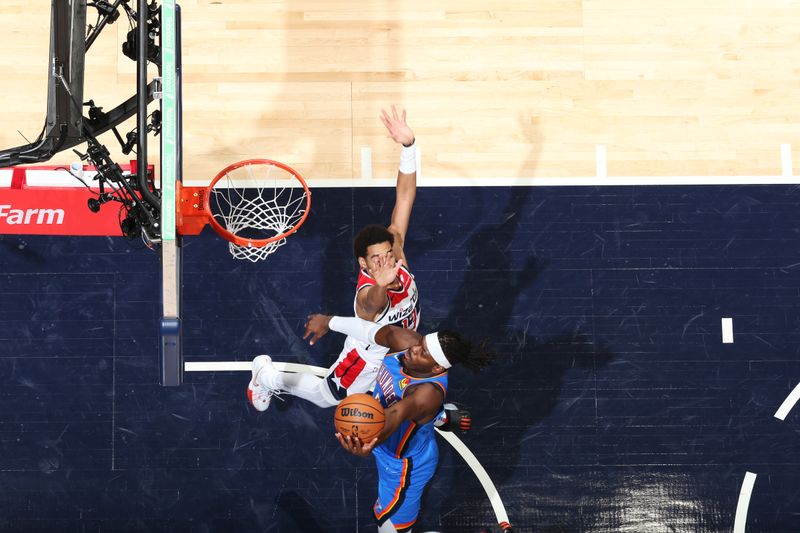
(404, 269)
(364, 280)
(428, 396)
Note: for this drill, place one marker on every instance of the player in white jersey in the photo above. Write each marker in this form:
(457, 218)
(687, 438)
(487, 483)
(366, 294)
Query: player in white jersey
(357, 366)
(385, 293)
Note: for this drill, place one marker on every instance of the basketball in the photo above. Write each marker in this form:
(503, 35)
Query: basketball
(359, 415)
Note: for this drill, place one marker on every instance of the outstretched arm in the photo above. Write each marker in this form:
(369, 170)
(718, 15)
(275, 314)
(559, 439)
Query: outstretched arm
(392, 337)
(406, 190)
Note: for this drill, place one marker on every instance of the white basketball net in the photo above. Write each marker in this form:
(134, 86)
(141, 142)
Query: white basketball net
(257, 201)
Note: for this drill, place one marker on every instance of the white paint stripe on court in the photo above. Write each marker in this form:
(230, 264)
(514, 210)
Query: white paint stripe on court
(457, 444)
(480, 473)
(586, 181)
(786, 160)
(740, 522)
(55, 178)
(601, 160)
(727, 331)
(244, 366)
(366, 162)
(788, 403)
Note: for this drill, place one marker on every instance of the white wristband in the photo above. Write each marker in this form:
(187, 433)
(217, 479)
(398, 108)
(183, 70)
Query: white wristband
(408, 159)
(355, 327)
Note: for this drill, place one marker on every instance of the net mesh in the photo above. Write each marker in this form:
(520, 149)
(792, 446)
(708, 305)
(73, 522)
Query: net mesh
(258, 201)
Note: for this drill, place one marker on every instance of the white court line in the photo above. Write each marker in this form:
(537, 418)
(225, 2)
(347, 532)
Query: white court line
(727, 331)
(480, 473)
(740, 522)
(788, 403)
(451, 438)
(510, 181)
(55, 178)
(601, 160)
(366, 162)
(238, 366)
(786, 160)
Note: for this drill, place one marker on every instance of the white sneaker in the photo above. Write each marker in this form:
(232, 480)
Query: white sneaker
(258, 394)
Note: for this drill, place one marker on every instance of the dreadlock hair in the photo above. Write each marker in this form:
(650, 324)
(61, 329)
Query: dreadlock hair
(369, 235)
(469, 355)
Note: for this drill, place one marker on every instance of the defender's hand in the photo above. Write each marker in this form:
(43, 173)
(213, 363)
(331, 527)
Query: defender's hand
(317, 327)
(398, 129)
(355, 446)
(387, 271)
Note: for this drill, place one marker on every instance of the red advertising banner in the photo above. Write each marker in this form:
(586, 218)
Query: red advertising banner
(53, 210)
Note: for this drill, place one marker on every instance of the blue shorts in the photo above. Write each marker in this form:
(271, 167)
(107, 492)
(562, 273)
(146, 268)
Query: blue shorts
(401, 483)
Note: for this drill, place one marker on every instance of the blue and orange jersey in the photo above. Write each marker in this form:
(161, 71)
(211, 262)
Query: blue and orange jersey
(391, 385)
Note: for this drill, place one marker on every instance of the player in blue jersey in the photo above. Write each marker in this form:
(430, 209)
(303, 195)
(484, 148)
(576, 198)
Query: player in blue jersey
(411, 386)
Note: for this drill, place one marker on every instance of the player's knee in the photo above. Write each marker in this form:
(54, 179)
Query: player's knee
(325, 394)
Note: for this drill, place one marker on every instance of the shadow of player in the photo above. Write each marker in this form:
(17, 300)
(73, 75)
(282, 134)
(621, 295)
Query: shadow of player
(540, 352)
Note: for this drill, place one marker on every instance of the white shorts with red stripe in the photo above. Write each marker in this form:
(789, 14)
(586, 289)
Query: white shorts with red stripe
(353, 372)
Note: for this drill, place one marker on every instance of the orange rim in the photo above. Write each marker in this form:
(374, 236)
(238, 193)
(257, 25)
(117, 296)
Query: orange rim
(255, 243)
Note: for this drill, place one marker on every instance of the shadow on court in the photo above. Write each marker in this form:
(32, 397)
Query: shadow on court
(542, 378)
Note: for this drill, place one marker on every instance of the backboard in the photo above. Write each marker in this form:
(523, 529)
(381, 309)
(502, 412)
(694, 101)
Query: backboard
(171, 173)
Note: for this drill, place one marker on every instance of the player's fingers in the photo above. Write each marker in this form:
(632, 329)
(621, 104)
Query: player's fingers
(404, 116)
(394, 112)
(310, 332)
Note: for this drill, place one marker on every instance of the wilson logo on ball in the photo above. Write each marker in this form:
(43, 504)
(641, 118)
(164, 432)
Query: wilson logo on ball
(355, 411)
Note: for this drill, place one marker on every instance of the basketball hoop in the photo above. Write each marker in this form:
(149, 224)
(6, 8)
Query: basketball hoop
(253, 204)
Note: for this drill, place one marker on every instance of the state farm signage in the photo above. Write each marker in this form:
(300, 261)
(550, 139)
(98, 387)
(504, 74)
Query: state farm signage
(51, 205)
(55, 211)
(47, 200)
(31, 216)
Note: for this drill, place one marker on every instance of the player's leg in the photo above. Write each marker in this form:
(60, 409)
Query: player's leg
(388, 527)
(349, 374)
(302, 385)
(267, 381)
(401, 483)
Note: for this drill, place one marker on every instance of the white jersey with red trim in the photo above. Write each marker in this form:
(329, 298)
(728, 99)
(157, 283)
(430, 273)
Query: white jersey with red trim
(357, 366)
(402, 310)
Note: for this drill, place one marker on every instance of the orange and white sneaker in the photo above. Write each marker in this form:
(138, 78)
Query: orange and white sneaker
(258, 393)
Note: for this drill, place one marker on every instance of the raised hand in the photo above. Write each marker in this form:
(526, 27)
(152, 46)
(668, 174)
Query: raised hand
(386, 271)
(398, 129)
